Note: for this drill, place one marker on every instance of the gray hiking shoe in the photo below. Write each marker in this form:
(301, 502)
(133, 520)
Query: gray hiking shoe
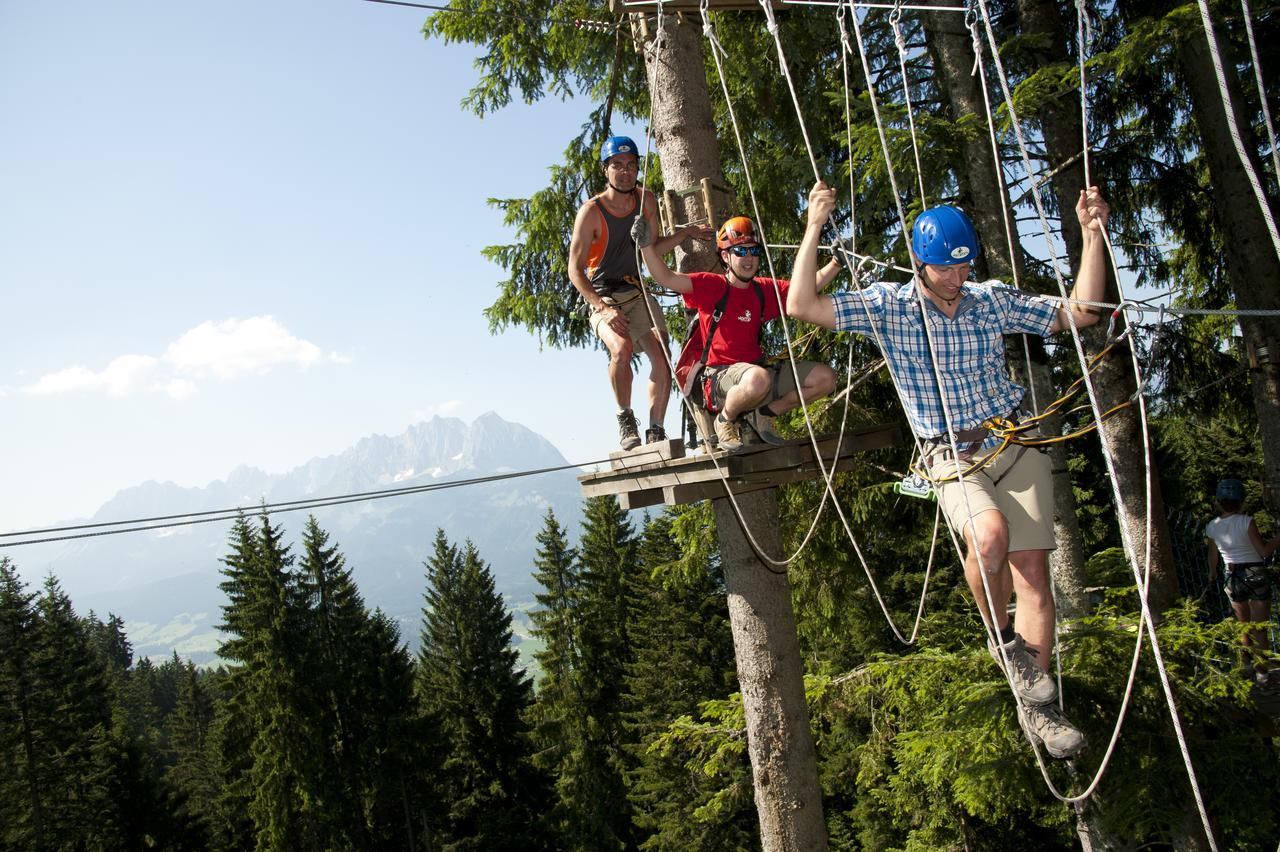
(1033, 685)
(762, 424)
(728, 434)
(628, 431)
(654, 434)
(1046, 725)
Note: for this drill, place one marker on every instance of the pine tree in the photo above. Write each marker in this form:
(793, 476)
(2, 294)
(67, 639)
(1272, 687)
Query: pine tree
(24, 798)
(470, 680)
(558, 716)
(188, 729)
(683, 656)
(71, 682)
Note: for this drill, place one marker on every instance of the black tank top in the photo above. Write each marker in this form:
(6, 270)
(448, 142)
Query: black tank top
(611, 259)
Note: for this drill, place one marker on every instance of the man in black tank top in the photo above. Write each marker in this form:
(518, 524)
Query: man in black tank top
(605, 271)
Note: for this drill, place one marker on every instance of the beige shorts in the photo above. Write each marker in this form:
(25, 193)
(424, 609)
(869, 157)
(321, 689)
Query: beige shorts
(727, 378)
(633, 308)
(1018, 484)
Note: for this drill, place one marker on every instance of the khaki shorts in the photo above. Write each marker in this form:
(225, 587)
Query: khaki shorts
(1018, 484)
(633, 308)
(726, 378)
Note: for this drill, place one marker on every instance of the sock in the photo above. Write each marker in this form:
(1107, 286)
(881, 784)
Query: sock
(624, 410)
(1007, 634)
(653, 424)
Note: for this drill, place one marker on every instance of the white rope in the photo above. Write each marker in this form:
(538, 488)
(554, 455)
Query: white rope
(717, 51)
(1093, 401)
(1234, 127)
(895, 17)
(759, 550)
(1262, 92)
(980, 71)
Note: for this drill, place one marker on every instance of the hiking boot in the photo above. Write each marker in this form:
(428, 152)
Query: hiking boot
(728, 434)
(762, 424)
(654, 434)
(1033, 685)
(628, 431)
(1047, 726)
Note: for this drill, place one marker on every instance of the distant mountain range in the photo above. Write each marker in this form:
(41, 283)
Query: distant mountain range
(164, 584)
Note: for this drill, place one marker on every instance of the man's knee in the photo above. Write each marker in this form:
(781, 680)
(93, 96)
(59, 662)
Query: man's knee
(987, 539)
(621, 351)
(820, 382)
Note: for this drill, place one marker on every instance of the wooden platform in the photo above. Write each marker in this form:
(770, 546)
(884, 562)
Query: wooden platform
(662, 473)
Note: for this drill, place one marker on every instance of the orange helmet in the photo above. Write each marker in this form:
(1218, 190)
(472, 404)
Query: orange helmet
(737, 231)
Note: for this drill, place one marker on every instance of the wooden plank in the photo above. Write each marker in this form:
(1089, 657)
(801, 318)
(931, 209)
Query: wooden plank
(691, 492)
(662, 451)
(759, 465)
(629, 500)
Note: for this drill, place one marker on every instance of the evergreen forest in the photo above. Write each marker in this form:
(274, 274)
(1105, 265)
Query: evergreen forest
(319, 729)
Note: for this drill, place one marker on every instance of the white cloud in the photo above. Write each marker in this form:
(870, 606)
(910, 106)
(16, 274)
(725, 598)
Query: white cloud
(236, 347)
(122, 376)
(223, 350)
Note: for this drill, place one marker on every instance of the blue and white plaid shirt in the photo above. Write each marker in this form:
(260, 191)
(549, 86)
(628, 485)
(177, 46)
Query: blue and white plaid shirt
(971, 356)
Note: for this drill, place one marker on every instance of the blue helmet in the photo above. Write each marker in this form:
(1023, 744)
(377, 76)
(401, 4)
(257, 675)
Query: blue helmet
(1231, 489)
(944, 236)
(615, 145)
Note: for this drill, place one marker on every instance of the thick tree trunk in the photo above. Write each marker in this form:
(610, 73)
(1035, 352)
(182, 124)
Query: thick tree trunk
(1113, 381)
(771, 676)
(683, 128)
(770, 672)
(1252, 265)
(982, 194)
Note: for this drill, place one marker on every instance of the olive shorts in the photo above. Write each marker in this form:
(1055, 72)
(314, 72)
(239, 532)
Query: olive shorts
(633, 308)
(1018, 484)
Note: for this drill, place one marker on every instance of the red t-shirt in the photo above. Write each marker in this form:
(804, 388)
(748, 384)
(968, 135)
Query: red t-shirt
(737, 338)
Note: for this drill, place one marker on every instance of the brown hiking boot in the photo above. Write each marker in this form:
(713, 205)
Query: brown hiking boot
(763, 425)
(628, 430)
(1046, 725)
(654, 434)
(728, 434)
(1033, 685)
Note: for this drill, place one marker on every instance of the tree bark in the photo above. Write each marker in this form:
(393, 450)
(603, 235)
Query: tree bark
(1113, 380)
(1253, 267)
(683, 127)
(771, 676)
(982, 194)
(770, 672)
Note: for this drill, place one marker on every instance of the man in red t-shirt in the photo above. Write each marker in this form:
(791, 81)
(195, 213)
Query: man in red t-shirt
(742, 388)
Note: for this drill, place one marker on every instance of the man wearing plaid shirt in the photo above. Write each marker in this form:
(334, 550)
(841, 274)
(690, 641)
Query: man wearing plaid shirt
(1005, 509)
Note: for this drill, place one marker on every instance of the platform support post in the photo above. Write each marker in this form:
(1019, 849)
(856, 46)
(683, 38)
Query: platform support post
(784, 761)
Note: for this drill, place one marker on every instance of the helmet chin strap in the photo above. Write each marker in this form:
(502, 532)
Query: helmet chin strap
(924, 282)
(630, 191)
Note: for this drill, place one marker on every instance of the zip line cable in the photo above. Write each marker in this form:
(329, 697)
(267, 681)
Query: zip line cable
(158, 522)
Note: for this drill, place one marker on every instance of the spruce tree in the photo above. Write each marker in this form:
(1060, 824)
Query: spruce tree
(683, 656)
(558, 715)
(471, 682)
(607, 562)
(190, 772)
(24, 796)
(71, 684)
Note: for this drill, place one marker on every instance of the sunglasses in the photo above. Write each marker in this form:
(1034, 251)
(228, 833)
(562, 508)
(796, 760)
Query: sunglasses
(743, 251)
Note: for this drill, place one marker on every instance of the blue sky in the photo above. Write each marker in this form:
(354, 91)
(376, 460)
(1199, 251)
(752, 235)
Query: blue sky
(249, 233)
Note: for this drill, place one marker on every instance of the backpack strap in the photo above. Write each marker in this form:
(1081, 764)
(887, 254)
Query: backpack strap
(716, 314)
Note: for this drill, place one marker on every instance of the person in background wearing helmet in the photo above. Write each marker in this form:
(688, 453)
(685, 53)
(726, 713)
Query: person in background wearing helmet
(742, 387)
(1011, 526)
(1236, 541)
(604, 269)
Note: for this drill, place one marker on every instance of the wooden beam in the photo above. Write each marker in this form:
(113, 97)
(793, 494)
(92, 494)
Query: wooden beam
(639, 477)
